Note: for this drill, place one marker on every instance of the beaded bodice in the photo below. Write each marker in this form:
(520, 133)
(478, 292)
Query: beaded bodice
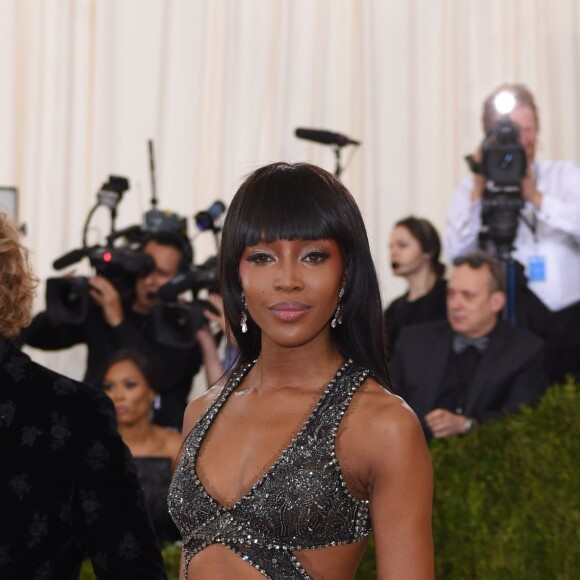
(301, 503)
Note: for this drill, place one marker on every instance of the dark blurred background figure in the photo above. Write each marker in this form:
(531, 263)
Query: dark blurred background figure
(112, 324)
(132, 382)
(474, 367)
(547, 241)
(68, 489)
(415, 249)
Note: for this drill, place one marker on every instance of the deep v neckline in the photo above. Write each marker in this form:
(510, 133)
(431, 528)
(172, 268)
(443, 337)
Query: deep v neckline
(212, 412)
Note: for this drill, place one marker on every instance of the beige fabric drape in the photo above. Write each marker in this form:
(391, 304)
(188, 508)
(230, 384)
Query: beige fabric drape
(220, 85)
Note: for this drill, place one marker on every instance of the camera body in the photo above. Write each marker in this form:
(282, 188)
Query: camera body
(174, 323)
(503, 165)
(68, 299)
(504, 159)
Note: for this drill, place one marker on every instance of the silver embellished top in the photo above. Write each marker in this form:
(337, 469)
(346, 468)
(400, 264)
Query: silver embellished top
(301, 503)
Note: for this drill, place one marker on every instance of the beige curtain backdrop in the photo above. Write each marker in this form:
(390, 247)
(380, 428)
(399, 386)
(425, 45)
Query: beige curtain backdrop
(221, 85)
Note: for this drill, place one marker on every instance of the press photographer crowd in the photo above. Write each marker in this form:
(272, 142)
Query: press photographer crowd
(491, 337)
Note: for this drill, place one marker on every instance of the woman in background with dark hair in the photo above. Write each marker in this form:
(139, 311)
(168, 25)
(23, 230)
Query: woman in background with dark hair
(415, 248)
(131, 381)
(287, 469)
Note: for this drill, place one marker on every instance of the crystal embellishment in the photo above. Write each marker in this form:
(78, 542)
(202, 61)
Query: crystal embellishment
(301, 503)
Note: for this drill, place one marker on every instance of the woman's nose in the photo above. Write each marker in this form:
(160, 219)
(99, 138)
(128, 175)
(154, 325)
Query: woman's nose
(116, 394)
(288, 277)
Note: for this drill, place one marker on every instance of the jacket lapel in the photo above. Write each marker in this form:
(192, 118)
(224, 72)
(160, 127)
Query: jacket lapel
(436, 363)
(481, 381)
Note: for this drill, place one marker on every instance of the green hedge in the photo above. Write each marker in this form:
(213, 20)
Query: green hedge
(507, 498)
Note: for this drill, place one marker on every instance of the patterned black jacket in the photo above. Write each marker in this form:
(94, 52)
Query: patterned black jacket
(68, 488)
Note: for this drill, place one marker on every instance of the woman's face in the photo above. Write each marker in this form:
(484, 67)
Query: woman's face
(292, 288)
(129, 391)
(407, 256)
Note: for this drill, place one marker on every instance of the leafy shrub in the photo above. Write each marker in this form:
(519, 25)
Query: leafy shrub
(507, 496)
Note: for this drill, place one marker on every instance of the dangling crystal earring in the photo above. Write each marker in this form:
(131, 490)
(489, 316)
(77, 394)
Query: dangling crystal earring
(244, 318)
(337, 315)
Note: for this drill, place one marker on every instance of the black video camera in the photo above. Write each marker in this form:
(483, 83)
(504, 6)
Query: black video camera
(67, 298)
(175, 323)
(504, 159)
(503, 165)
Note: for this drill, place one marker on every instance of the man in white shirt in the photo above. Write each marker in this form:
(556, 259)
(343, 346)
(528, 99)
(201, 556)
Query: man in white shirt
(547, 242)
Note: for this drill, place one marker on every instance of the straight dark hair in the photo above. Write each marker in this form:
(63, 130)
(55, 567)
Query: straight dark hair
(300, 201)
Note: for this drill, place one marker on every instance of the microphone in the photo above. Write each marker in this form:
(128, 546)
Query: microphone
(205, 220)
(70, 258)
(325, 137)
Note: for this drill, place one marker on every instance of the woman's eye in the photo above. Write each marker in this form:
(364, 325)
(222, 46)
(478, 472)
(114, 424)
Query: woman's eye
(130, 384)
(107, 388)
(316, 257)
(259, 258)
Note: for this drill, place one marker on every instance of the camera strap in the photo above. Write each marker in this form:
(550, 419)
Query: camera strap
(532, 225)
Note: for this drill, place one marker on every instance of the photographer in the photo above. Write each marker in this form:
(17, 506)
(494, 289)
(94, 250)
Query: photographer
(112, 324)
(547, 240)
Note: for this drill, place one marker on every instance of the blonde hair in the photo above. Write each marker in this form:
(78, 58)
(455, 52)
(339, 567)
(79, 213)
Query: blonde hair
(17, 282)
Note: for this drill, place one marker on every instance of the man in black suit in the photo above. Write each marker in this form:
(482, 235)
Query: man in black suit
(68, 488)
(473, 367)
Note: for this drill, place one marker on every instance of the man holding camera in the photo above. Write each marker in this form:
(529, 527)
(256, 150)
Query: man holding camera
(111, 325)
(547, 241)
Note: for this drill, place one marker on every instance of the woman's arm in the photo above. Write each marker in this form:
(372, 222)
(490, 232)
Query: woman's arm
(401, 488)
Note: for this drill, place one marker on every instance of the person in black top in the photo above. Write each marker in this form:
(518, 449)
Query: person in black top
(415, 248)
(68, 489)
(474, 367)
(111, 325)
(132, 381)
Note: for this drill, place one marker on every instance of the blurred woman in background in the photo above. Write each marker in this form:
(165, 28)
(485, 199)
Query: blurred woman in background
(415, 248)
(132, 382)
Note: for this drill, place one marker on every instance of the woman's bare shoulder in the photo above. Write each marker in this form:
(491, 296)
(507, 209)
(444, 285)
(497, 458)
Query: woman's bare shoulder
(380, 414)
(198, 406)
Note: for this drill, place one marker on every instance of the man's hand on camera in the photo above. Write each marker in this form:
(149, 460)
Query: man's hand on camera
(478, 179)
(529, 191)
(105, 294)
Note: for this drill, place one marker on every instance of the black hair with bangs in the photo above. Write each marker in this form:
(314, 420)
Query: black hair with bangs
(301, 201)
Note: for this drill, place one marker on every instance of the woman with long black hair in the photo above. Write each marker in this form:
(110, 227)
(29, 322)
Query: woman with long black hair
(287, 469)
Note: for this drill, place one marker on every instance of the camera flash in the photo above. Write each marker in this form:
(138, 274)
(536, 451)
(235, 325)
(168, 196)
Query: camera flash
(504, 103)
